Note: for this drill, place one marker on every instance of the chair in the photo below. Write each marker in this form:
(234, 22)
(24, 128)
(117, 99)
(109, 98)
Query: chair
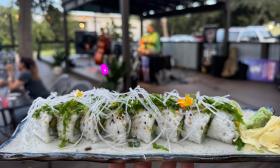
(82, 85)
(62, 85)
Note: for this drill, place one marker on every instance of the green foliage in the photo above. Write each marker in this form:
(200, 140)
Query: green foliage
(59, 57)
(5, 36)
(116, 71)
(244, 13)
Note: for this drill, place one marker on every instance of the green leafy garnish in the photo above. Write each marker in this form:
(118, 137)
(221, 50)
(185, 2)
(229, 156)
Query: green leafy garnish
(66, 111)
(134, 143)
(232, 108)
(63, 142)
(158, 146)
(239, 143)
(180, 128)
(45, 108)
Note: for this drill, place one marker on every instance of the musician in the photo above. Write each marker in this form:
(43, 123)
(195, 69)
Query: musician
(149, 43)
(103, 47)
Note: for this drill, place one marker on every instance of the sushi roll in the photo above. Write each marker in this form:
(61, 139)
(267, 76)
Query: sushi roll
(223, 128)
(169, 125)
(70, 114)
(44, 123)
(226, 120)
(71, 131)
(195, 126)
(143, 126)
(88, 127)
(116, 128)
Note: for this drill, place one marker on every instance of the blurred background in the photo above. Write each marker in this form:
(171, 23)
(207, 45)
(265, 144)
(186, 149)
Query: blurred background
(216, 47)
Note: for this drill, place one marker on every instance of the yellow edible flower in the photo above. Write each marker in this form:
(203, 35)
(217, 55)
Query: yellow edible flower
(78, 93)
(185, 102)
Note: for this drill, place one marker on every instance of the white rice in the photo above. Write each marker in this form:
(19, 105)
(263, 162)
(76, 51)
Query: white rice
(71, 135)
(195, 126)
(116, 128)
(169, 125)
(222, 128)
(88, 128)
(41, 127)
(142, 126)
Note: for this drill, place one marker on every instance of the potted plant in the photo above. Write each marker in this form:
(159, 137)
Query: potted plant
(59, 59)
(116, 71)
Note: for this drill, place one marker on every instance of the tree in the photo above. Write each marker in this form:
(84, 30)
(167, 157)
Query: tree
(244, 13)
(25, 24)
(25, 28)
(5, 25)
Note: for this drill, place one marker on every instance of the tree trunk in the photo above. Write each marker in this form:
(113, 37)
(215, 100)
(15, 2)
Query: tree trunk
(25, 28)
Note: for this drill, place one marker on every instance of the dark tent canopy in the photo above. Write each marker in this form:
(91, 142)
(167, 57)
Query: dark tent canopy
(145, 8)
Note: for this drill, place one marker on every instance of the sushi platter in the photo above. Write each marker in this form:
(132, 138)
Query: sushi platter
(105, 126)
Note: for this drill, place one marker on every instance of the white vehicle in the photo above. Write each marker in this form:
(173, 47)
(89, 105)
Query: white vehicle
(247, 34)
(179, 38)
(256, 34)
(182, 38)
(233, 34)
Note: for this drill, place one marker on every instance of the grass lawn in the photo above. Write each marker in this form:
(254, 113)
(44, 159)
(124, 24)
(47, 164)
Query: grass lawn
(51, 52)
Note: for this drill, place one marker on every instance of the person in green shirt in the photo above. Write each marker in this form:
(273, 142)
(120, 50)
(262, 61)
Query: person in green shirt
(149, 43)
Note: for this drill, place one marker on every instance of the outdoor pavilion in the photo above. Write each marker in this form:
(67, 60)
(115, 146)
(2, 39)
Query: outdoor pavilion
(145, 9)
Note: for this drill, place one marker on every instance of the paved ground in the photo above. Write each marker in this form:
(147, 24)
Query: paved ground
(249, 94)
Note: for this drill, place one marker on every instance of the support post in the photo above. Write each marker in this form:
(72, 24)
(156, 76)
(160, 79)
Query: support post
(141, 27)
(124, 7)
(227, 21)
(66, 39)
(12, 30)
(25, 29)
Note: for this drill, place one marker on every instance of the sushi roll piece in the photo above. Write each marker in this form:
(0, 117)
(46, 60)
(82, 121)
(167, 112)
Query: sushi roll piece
(195, 126)
(70, 114)
(170, 124)
(227, 118)
(70, 132)
(143, 126)
(223, 128)
(88, 127)
(116, 128)
(44, 123)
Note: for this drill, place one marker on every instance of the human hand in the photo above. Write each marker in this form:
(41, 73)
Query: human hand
(9, 68)
(2, 83)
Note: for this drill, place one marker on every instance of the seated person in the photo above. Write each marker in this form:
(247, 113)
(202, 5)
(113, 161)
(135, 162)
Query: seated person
(149, 43)
(28, 79)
